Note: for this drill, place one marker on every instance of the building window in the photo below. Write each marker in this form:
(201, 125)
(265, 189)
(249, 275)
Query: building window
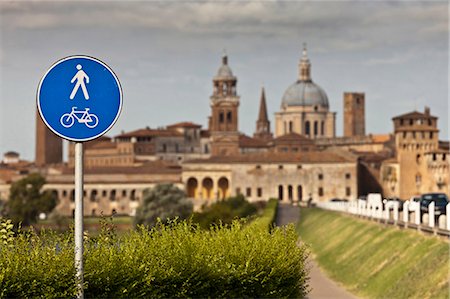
(418, 179)
(307, 128)
(104, 193)
(348, 176)
(290, 127)
(112, 195)
(299, 166)
(322, 129)
(316, 128)
(280, 166)
(258, 166)
(238, 191)
(411, 122)
(221, 117)
(164, 148)
(248, 192)
(259, 192)
(348, 191)
(229, 117)
(283, 149)
(320, 176)
(124, 193)
(431, 135)
(320, 191)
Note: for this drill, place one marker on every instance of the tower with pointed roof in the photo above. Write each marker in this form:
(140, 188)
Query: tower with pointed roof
(305, 107)
(223, 122)
(263, 123)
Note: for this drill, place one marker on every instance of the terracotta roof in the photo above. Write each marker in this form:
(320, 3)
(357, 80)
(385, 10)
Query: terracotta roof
(185, 124)
(293, 137)
(150, 167)
(11, 154)
(205, 133)
(391, 160)
(414, 114)
(247, 141)
(444, 144)
(381, 138)
(100, 143)
(327, 156)
(147, 132)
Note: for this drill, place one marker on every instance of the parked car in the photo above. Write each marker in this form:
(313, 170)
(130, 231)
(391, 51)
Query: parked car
(440, 201)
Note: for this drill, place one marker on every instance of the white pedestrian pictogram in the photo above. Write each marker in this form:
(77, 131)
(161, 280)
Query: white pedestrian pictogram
(80, 76)
(82, 116)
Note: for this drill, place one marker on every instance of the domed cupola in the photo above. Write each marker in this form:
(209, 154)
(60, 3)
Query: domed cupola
(224, 71)
(304, 92)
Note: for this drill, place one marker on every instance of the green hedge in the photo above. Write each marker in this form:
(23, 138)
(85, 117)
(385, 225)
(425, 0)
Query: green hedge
(169, 261)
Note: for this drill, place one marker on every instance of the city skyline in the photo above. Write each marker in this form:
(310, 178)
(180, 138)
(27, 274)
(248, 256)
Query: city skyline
(165, 56)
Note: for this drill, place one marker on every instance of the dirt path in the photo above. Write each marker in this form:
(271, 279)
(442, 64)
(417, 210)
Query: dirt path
(322, 286)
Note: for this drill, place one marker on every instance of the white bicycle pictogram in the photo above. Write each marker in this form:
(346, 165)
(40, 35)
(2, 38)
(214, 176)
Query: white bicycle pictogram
(83, 116)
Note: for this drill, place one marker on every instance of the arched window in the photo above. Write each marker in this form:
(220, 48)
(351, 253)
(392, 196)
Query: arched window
(221, 117)
(316, 128)
(280, 192)
(322, 129)
(229, 117)
(290, 127)
(307, 128)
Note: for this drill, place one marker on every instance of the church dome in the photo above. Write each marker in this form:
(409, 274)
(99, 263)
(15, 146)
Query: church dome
(304, 93)
(224, 70)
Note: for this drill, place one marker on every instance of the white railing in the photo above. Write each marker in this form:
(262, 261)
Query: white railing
(389, 210)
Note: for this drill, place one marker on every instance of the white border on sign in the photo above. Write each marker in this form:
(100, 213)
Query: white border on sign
(115, 78)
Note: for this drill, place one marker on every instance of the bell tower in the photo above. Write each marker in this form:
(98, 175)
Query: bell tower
(223, 122)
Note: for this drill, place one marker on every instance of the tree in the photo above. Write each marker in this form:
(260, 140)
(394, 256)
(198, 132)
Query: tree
(165, 202)
(27, 200)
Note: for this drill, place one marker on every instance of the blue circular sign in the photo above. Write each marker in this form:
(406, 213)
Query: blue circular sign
(79, 98)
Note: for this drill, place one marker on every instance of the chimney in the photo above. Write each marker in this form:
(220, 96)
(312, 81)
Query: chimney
(427, 110)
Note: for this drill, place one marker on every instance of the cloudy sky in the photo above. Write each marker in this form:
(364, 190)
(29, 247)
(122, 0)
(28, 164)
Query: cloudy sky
(166, 53)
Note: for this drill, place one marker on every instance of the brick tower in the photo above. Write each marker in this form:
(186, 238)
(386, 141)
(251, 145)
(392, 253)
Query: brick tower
(354, 111)
(263, 123)
(49, 149)
(223, 122)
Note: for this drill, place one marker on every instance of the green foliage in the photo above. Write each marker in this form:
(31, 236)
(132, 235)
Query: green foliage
(267, 219)
(224, 212)
(27, 201)
(176, 260)
(164, 202)
(6, 232)
(376, 261)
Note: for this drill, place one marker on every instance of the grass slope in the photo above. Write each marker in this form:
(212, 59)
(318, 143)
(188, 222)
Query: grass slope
(375, 261)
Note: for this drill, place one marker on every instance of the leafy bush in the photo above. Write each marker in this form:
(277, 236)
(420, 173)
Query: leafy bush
(163, 202)
(169, 261)
(224, 212)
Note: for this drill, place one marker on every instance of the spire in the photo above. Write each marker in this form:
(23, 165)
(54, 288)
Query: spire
(262, 116)
(263, 123)
(304, 68)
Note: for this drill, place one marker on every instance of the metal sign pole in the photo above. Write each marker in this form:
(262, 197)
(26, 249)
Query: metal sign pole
(79, 218)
